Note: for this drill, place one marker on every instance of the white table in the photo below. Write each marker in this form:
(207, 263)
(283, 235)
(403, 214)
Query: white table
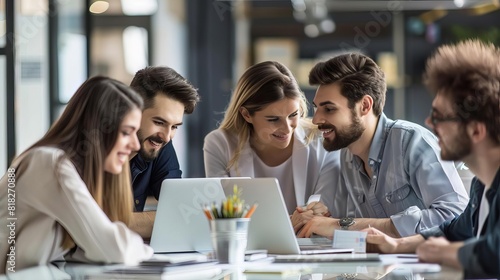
(259, 270)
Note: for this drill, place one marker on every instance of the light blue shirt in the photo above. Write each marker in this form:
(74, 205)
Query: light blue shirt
(410, 183)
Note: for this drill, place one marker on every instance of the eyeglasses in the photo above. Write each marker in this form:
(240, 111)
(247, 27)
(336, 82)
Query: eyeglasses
(435, 120)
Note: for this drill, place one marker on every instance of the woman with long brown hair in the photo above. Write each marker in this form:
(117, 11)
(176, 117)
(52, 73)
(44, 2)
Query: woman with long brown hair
(70, 192)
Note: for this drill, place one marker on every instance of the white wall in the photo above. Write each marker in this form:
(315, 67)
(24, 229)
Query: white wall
(169, 49)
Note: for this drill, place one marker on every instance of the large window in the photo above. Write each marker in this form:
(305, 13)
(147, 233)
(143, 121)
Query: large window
(72, 48)
(68, 52)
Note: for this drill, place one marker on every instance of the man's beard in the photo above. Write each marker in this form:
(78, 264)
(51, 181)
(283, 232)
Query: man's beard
(343, 137)
(459, 149)
(151, 154)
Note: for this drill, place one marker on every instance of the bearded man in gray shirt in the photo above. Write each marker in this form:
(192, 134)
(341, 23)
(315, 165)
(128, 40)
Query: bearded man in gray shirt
(392, 177)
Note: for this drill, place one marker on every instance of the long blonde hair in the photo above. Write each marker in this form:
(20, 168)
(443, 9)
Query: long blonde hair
(87, 131)
(261, 85)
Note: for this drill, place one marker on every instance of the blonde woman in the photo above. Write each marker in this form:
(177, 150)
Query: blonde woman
(265, 133)
(71, 190)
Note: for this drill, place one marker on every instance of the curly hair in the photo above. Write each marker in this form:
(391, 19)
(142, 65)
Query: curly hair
(469, 74)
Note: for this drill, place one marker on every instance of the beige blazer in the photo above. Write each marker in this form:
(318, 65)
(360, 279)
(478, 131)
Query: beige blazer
(49, 196)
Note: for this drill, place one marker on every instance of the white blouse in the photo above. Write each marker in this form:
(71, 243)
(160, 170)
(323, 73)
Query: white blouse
(281, 172)
(314, 170)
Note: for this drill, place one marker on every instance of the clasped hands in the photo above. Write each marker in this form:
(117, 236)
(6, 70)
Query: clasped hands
(314, 219)
(304, 214)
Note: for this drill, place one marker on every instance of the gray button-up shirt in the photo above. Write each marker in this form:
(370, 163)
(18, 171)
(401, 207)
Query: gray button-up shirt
(410, 183)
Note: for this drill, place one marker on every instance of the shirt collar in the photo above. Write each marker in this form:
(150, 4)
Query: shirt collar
(494, 187)
(376, 145)
(139, 162)
(496, 181)
(378, 139)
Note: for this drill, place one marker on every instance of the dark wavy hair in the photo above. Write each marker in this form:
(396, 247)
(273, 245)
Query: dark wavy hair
(154, 80)
(357, 74)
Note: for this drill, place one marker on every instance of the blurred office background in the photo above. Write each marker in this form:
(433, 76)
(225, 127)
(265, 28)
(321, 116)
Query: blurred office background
(49, 47)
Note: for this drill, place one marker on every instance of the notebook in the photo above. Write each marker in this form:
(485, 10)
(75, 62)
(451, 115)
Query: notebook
(181, 226)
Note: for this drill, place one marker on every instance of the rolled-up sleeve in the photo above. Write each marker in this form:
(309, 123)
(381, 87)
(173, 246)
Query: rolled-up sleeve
(435, 182)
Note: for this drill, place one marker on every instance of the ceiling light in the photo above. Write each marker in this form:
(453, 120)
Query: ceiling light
(99, 7)
(327, 25)
(319, 11)
(459, 3)
(311, 30)
(136, 7)
(299, 5)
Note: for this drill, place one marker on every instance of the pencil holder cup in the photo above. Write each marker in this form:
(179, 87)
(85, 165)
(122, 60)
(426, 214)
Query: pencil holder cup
(229, 239)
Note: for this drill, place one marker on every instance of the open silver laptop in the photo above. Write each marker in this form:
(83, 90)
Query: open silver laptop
(270, 227)
(181, 226)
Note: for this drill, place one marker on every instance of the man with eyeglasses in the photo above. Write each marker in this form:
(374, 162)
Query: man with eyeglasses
(392, 177)
(434, 118)
(465, 116)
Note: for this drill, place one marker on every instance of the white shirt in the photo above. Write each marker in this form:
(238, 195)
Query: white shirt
(484, 210)
(314, 170)
(282, 173)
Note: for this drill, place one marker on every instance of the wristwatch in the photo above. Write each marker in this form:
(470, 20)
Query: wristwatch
(345, 223)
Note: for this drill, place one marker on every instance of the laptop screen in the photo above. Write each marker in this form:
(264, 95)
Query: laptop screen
(181, 226)
(270, 227)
